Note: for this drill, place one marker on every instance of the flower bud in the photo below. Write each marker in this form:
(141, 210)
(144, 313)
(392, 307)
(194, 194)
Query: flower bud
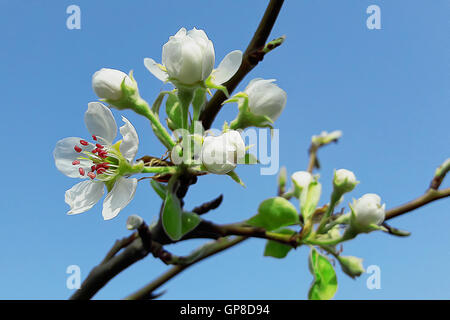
(326, 138)
(221, 154)
(344, 181)
(368, 210)
(134, 222)
(107, 83)
(301, 180)
(352, 266)
(265, 98)
(189, 56)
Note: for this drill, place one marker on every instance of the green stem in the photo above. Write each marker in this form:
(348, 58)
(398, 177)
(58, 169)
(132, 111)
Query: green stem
(333, 201)
(185, 96)
(159, 129)
(164, 170)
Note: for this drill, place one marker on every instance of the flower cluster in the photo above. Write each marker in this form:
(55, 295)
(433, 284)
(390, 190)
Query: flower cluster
(188, 60)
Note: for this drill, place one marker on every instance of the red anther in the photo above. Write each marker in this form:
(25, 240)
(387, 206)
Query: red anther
(93, 167)
(75, 162)
(98, 145)
(91, 175)
(81, 171)
(101, 170)
(94, 151)
(77, 149)
(84, 142)
(94, 137)
(104, 165)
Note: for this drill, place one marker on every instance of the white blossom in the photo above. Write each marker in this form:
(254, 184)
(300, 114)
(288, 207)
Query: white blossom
(107, 83)
(188, 58)
(98, 162)
(265, 98)
(221, 154)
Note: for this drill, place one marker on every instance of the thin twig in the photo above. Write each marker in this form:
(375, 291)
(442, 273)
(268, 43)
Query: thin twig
(252, 56)
(172, 272)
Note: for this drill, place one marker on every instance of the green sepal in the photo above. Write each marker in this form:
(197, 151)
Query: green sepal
(211, 85)
(198, 103)
(278, 250)
(245, 117)
(324, 285)
(235, 177)
(275, 213)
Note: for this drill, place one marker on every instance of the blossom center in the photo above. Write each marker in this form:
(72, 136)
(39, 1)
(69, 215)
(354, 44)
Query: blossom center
(103, 160)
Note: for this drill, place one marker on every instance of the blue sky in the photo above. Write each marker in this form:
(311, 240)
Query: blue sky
(387, 90)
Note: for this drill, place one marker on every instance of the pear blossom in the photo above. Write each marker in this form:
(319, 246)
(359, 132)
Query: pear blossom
(265, 98)
(107, 83)
(368, 210)
(99, 162)
(221, 154)
(188, 58)
(302, 179)
(344, 180)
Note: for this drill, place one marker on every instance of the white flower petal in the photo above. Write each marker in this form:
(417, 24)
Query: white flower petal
(118, 198)
(228, 67)
(154, 68)
(83, 196)
(100, 121)
(64, 154)
(130, 142)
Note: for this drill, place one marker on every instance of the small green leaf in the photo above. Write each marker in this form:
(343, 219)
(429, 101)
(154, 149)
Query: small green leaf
(275, 213)
(173, 110)
(236, 178)
(159, 188)
(172, 216)
(189, 220)
(324, 285)
(309, 199)
(276, 249)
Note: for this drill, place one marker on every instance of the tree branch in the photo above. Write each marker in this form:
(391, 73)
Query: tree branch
(429, 196)
(218, 246)
(252, 56)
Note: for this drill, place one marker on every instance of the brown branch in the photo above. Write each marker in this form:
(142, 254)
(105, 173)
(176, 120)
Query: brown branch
(147, 291)
(252, 56)
(429, 196)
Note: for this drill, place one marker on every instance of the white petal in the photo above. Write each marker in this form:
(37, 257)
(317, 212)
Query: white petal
(118, 198)
(130, 143)
(228, 67)
(208, 60)
(100, 121)
(84, 195)
(154, 68)
(64, 154)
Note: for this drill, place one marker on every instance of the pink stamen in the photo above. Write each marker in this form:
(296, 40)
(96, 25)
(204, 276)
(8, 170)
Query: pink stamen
(91, 175)
(84, 142)
(77, 149)
(75, 162)
(81, 171)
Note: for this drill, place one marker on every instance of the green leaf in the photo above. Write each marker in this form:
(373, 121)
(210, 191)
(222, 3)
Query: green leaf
(159, 188)
(324, 285)
(276, 249)
(173, 110)
(309, 199)
(172, 216)
(189, 220)
(274, 213)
